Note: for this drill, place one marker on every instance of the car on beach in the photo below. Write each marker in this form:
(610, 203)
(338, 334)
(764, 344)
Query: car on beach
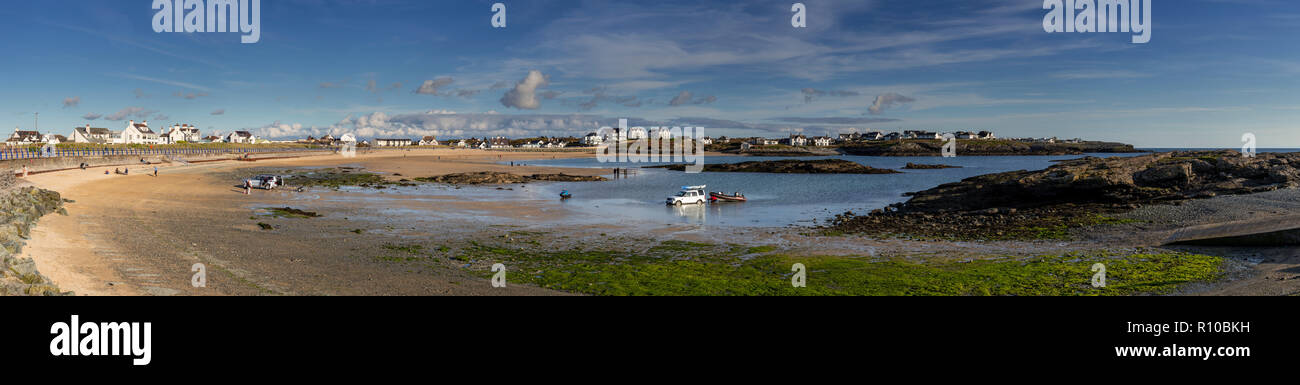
(689, 195)
(266, 181)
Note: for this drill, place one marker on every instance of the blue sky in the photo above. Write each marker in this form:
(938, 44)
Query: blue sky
(1213, 70)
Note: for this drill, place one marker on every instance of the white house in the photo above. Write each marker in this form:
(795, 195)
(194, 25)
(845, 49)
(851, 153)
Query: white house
(240, 137)
(20, 137)
(498, 142)
(797, 140)
(182, 133)
(429, 141)
(90, 134)
(635, 133)
(392, 142)
(705, 141)
(822, 141)
(462, 144)
(138, 133)
(593, 139)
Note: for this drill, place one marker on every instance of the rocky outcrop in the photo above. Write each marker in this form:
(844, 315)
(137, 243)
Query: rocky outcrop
(1050, 203)
(982, 147)
(488, 177)
(918, 166)
(20, 208)
(1115, 180)
(790, 166)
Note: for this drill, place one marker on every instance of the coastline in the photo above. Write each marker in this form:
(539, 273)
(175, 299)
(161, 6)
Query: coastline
(194, 214)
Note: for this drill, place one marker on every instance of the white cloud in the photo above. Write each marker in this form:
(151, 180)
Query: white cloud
(130, 112)
(524, 95)
(887, 100)
(430, 87)
(71, 102)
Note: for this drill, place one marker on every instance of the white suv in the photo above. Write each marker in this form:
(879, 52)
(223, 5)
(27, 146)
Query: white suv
(689, 195)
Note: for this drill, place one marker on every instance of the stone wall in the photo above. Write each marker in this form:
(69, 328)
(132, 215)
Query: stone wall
(20, 208)
(71, 162)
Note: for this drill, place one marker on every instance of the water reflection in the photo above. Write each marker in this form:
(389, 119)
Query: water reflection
(694, 214)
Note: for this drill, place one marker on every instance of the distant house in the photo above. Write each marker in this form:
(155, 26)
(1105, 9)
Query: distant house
(240, 137)
(392, 142)
(635, 133)
(429, 141)
(181, 133)
(498, 142)
(986, 135)
(90, 134)
(768, 142)
(873, 135)
(965, 135)
(138, 133)
(462, 144)
(797, 140)
(893, 136)
(822, 141)
(53, 138)
(20, 137)
(705, 141)
(919, 134)
(593, 139)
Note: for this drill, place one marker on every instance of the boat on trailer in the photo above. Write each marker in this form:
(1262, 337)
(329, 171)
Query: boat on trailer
(722, 197)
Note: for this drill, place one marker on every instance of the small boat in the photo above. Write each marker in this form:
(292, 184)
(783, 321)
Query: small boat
(721, 197)
(565, 194)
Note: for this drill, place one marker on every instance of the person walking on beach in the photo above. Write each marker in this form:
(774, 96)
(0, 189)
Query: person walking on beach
(155, 171)
(248, 187)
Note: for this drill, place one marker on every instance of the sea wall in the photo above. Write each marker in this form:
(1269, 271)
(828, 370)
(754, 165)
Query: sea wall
(36, 165)
(20, 208)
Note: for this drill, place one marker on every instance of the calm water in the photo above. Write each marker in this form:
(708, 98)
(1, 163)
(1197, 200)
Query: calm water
(774, 199)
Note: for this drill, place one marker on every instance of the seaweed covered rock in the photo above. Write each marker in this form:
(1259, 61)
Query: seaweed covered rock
(790, 166)
(1115, 180)
(488, 177)
(20, 208)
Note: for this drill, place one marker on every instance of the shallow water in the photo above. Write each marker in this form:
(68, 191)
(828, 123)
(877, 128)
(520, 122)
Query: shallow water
(774, 199)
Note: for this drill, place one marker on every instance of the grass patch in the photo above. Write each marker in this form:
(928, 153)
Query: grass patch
(336, 178)
(720, 271)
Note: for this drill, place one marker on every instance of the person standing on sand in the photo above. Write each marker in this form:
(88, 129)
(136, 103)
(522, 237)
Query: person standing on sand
(248, 187)
(25, 171)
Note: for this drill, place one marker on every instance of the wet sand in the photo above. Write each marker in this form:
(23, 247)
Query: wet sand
(141, 235)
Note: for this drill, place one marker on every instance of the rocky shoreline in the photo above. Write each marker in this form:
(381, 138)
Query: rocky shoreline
(918, 166)
(22, 207)
(790, 166)
(1044, 204)
(983, 148)
(487, 177)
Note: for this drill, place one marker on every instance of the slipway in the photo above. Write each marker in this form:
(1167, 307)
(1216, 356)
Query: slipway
(1269, 231)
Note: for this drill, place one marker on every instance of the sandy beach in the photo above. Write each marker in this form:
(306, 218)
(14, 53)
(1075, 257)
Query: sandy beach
(142, 235)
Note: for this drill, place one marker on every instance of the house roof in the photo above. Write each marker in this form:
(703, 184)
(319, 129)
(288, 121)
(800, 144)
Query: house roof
(428, 139)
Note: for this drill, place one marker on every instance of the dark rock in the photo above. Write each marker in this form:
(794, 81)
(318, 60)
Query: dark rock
(790, 166)
(916, 166)
(487, 177)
